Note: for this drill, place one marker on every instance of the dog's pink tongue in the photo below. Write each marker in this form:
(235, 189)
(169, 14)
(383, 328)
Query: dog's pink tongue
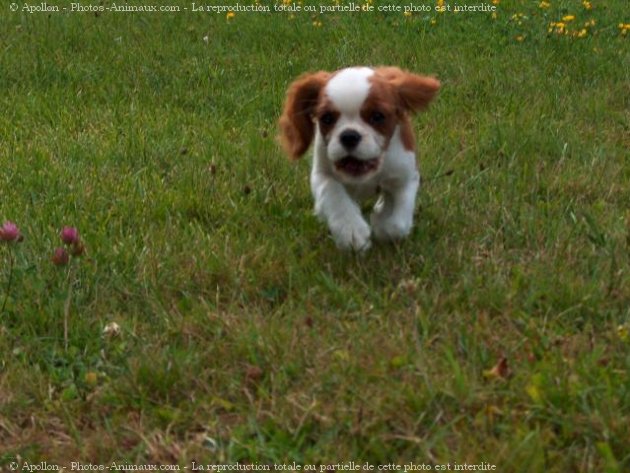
(353, 166)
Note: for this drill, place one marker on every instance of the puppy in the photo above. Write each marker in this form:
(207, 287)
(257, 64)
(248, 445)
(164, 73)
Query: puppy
(363, 145)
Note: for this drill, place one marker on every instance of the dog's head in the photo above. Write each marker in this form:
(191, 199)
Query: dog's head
(356, 111)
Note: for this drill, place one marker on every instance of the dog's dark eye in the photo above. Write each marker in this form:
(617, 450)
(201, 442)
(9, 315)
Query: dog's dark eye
(327, 118)
(377, 118)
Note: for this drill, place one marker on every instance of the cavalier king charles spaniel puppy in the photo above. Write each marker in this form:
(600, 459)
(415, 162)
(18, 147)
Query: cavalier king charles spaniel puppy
(363, 145)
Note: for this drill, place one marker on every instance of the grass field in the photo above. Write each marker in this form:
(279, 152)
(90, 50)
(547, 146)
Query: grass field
(497, 333)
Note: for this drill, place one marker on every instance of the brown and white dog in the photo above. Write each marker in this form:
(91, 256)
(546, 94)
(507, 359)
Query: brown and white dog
(364, 145)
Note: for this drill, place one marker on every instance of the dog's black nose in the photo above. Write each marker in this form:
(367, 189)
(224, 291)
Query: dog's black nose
(350, 139)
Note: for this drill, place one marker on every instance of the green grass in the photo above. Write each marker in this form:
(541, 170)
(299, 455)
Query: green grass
(245, 334)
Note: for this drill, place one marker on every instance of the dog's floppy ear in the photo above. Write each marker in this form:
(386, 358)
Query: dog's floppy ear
(414, 91)
(296, 123)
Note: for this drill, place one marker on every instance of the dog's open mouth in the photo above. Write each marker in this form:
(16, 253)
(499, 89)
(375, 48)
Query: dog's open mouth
(356, 167)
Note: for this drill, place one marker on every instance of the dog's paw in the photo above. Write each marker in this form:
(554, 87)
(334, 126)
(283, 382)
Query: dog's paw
(390, 228)
(351, 234)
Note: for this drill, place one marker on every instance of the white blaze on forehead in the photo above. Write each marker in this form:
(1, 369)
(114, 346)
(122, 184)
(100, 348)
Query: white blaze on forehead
(349, 88)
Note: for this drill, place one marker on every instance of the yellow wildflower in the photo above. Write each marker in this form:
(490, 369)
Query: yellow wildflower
(544, 4)
(568, 18)
(518, 18)
(533, 388)
(587, 5)
(407, 13)
(91, 378)
(317, 24)
(230, 15)
(520, 38)
(624, 330)
(557, 27)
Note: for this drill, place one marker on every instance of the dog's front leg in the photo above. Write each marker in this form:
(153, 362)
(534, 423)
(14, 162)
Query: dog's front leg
(392, 217)
(334, 205)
